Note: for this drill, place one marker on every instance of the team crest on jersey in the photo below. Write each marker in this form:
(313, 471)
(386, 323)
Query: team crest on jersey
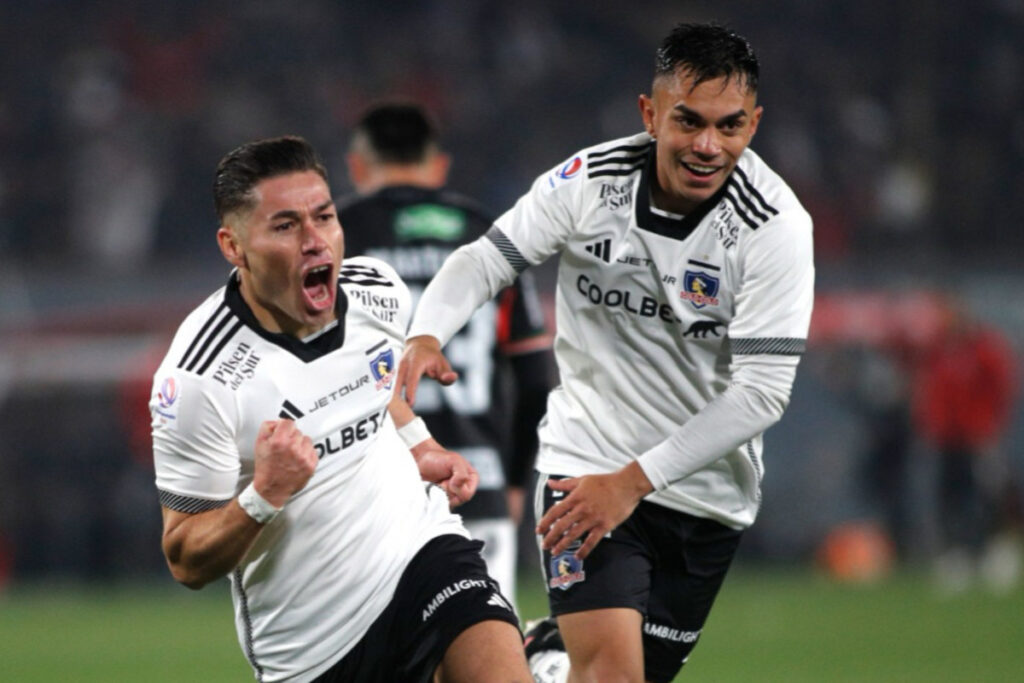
(383, 368)
(566, 568)
(700, 289)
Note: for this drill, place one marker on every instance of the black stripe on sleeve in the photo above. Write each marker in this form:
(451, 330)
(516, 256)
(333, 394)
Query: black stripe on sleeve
(753, 191)
(220, 346)
(507, 249)
(745, 198)
(776, 346)
(188, 504)
(628, 170)
(209, 339)
(621, 148)
(632, 160)
(202, 333)
(754, 225)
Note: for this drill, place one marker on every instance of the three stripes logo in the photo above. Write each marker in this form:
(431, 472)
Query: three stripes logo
(289, 411)
(623, 160)
(214, 335)
(747, 202)
(601, 249)
(366, 276)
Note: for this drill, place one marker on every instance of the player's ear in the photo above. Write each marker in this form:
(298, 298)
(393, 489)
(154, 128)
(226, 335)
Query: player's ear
(440, 163)
(358, 170)
(647, 113)
(755, 119)
(230, 246)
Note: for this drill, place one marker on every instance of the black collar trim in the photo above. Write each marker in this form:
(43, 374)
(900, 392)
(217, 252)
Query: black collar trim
(675, 228)
(329, 341)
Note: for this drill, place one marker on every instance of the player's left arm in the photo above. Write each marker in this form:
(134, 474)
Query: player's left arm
(436, 464)
(767, 336)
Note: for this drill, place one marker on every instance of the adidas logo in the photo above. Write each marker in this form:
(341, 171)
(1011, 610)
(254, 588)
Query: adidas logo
(289, 411)
(602, 250)
(499, 601)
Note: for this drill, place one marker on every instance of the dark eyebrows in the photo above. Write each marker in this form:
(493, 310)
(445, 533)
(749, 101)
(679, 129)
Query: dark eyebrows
(291, 213)
(728, 118)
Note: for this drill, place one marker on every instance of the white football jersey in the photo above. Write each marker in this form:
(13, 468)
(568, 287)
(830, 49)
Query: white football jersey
(322, 571)
(666, 325)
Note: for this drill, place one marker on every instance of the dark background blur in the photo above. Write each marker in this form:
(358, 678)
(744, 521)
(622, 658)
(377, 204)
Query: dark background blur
(899, 124)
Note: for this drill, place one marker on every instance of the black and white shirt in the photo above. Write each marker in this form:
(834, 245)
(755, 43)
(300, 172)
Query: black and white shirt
(323, 570)
(677, 336)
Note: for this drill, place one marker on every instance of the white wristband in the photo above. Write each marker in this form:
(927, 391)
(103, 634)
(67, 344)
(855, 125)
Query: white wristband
(414, 432)
(256, 506)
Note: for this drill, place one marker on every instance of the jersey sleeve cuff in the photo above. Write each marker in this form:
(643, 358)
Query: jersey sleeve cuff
(648, 464)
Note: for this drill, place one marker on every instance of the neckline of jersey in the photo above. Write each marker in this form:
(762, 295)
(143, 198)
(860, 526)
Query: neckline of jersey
(321, 345)
(674, 228)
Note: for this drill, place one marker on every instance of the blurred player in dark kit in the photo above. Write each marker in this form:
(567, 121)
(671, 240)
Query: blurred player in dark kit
(405, 216)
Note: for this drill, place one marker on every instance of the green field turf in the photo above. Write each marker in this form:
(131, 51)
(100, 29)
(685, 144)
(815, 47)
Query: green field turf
(767, 626)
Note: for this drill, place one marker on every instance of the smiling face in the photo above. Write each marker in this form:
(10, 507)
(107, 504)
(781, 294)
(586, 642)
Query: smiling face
(288, 248)
(700, 131)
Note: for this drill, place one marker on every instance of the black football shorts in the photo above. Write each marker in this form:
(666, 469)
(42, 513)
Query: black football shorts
(444, 590)
(665, 564)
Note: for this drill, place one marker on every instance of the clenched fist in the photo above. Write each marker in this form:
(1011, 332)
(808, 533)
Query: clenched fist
(284, 459)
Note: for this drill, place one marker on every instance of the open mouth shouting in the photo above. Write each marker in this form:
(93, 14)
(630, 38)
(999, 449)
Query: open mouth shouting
(319, 287)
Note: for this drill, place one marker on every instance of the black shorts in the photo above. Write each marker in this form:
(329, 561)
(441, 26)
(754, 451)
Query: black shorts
(665, 564)
(444, 590)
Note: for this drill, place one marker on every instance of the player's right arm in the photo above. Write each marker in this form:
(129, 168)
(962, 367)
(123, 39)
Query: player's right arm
(201, 547)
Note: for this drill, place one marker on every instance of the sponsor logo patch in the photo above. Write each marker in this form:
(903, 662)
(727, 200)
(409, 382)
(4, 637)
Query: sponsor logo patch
(168, 393)
(430, 221)
(450, 592)
(568, 171)
(571, 168)
(668, 633)
(166, 398)
(699, 288)
(602, 249)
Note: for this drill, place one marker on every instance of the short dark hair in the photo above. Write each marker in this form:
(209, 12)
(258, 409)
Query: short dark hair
(396, 132)
(707, 52)
(242, 168)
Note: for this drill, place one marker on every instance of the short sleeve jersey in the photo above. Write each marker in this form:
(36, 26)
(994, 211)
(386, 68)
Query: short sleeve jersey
(653, 309)
(414, 230)
(320, 572)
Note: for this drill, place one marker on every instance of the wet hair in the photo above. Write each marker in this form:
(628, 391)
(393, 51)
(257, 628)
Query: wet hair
(707, 52)
(244, 167)
(396, 133)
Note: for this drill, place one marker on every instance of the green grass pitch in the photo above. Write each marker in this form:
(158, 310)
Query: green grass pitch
(768, 625)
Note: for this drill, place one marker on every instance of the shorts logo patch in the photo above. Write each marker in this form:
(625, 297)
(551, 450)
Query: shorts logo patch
(383, 368)
(699, 288)
(671, 634)
(498, 601)
(450, 592)
(566, 568)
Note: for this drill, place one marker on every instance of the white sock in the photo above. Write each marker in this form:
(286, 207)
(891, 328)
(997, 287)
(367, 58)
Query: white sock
(550, 666)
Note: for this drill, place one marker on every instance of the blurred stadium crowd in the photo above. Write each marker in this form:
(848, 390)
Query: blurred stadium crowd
(899, 124)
